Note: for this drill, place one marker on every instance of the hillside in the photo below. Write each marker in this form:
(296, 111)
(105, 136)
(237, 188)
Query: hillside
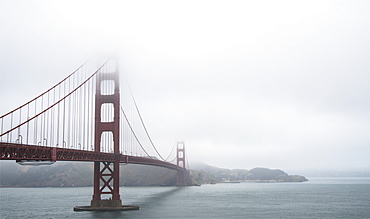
(210, 174)
(81, 174)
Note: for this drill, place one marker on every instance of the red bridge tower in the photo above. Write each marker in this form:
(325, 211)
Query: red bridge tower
(181, 174)
(107, 173)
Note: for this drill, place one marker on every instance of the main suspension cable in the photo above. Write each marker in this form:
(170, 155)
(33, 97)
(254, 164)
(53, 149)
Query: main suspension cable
(173, 147)
(45, 91)
(124, 114)
(142, 122)
(51, 106)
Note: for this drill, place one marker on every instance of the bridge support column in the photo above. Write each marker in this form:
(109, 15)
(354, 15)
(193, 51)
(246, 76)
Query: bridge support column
(103, 177)
(181, 174)
(106, 174)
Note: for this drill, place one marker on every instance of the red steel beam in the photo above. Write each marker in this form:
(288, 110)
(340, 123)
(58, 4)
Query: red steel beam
(13, 151)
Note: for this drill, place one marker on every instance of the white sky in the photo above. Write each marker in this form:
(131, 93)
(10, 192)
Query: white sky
(277, 84)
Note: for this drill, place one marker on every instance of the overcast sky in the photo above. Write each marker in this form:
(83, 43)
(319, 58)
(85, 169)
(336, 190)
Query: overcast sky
(277, 84)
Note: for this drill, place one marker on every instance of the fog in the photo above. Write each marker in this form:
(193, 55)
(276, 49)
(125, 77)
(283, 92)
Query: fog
(276, 84)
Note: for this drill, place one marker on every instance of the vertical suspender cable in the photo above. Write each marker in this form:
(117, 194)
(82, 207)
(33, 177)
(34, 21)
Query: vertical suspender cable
(11, 125)
(19, 128)
(28, 114)
(73, 114)
(35, 126)
(64, 116)
(77, 115)
(80, 100)
(133, 133)
(42, 117)
(2, 127)
(88, 117)
(41, 129)
(46, 122)
(52, 121)
(48, 119)
(58, 118)
(83, 114)
(69, 116)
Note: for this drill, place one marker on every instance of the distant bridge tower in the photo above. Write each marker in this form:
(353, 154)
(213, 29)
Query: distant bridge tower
(107, 101)
(181, 174)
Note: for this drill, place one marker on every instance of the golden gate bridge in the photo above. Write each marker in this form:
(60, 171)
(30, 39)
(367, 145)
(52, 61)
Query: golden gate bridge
(81, 119)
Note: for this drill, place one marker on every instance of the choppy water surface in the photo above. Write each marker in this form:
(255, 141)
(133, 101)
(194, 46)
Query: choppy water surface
(317, 198)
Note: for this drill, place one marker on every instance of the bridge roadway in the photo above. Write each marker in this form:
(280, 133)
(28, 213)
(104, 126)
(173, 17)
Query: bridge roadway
(14, 151)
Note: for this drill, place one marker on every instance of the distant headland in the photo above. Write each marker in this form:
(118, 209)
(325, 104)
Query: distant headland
(203, 174)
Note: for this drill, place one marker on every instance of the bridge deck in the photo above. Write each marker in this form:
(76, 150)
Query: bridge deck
(13, 151)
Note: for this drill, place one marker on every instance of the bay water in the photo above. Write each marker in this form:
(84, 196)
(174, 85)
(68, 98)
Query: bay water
(317, 198)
